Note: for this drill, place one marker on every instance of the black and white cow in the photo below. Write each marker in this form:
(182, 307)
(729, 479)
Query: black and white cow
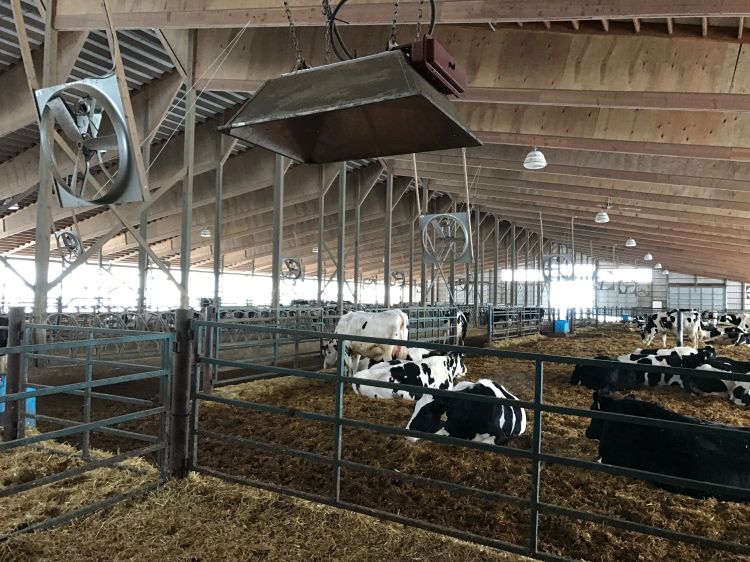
(466, 419)
(462, 327)
(724, 335)
(666, 322)
(431, 372)
(739, 392)
(741, 320)
(596, 378)
(388, 324)
(600, 377)
(407, 354)
(720, 459)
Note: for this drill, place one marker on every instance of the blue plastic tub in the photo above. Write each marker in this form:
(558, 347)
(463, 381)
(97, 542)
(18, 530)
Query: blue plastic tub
(626, 317)
(30, 403)
(561, 327)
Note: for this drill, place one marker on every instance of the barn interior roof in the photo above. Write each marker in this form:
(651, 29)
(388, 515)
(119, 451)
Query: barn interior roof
(647, 112)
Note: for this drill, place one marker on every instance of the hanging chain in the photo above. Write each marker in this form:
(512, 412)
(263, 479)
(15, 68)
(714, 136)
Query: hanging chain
(419, 19)
(327, 17)
(299, 63)
(392, 40)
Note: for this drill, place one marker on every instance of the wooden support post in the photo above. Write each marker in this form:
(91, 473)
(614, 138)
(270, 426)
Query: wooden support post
(13, 383)
(180, 403)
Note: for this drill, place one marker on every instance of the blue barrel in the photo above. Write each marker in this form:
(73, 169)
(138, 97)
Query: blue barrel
(30, 403)
(561, 326)
(626, 317)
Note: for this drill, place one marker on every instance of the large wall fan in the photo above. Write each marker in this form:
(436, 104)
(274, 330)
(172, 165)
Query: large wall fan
(446, 237)
(69, 246)
(96, 165)
(292, 269)
(398, 278)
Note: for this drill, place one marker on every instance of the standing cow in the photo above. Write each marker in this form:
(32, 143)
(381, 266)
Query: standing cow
(665, 322)
(388, 324)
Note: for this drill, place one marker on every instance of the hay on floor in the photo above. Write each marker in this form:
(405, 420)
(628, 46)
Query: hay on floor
(202, 519)
(26, 464)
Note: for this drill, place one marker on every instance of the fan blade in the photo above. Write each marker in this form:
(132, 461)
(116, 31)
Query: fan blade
(106, 142)
(64, 118)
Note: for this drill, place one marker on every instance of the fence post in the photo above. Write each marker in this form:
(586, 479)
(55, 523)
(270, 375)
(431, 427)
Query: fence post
(679, 329)
(180, 402)
(12, 414)
(209, 336)
(490, 322)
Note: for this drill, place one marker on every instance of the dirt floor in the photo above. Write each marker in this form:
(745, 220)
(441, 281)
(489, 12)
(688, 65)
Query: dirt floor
(596, 492)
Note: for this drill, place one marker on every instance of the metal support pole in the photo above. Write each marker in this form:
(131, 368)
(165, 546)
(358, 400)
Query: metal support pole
(13, 383)
(411, 255)
(513, 265)
(357, 230)
(496, 262)
(340, 269)
(477, 244)
(186, 224)
(433, 285)
(680, 325)
(321, 239)
(180, 403)
(142, 254)
(536, 464)
(278, 233)
(423, 276)
(43, 213)
(388, 234)
(452, 270)
(218, 202)
(481, 270)
(526, 272)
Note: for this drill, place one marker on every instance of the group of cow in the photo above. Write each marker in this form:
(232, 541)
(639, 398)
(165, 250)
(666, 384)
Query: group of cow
(707, 327)
(719, 459)
(424, 368)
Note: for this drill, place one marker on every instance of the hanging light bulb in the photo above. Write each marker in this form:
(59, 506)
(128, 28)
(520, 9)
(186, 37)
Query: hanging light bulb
(648, 257)
(601, 217)
(14, 207)
(535, 160)
(665, 272)
(630, 243)
(657, 266)
(205, 233)
(315, 250)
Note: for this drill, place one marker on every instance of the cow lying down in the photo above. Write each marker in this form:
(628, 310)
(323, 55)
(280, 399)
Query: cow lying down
(438, 371)
(701, 360)
(624, 378)
(719, 459)
(465, 419)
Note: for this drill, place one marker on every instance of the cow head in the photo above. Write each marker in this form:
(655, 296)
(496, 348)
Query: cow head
(330, 353)
(594, 430)
(455, 364)
(649, 330)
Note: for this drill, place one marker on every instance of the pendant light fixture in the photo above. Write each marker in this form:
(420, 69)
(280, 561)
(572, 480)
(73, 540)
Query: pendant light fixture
(657, 266)
(205, 233)
(535, 160)
(665, 272)
(648, 257)
(630, 243)
(601, 217)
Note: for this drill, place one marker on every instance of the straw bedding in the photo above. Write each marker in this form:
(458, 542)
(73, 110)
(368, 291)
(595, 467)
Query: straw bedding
(599, 493)
(192, 516)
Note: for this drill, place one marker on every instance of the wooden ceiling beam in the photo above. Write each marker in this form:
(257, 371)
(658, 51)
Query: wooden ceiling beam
(86, 14)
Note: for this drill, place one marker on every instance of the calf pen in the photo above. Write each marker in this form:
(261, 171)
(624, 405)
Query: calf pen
(294, 433)
(37, 466)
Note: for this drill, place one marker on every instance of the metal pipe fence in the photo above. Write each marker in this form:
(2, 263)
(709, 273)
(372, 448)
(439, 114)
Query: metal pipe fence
(342, 468)
(513, 321)
(23, 354)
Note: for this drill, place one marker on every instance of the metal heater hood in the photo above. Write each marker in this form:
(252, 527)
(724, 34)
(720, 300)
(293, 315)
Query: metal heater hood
(364, 108)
